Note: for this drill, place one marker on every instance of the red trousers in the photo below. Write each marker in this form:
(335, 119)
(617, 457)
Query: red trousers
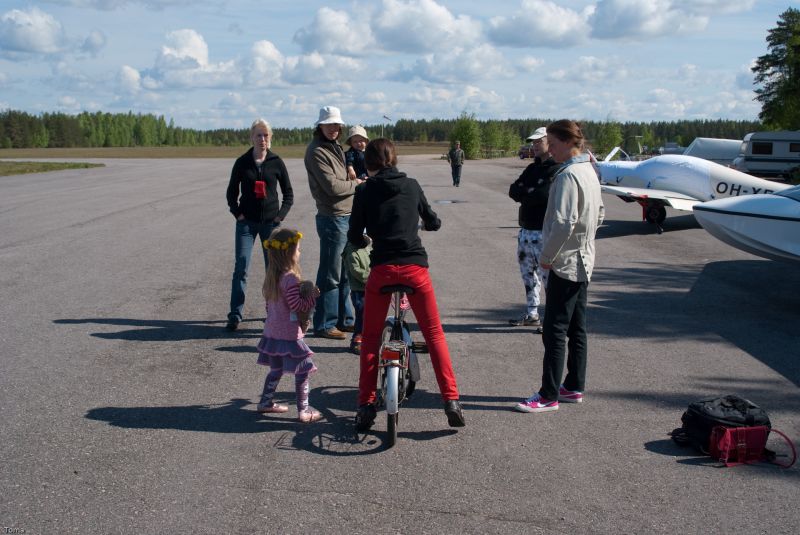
(423, 303)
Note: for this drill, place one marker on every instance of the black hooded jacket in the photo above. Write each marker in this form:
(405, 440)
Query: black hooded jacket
(241, 188)
(389, 206)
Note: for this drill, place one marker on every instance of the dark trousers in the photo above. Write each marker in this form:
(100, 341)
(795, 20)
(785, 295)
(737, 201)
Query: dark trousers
(564, 317)
(358, 305)
(456, 174)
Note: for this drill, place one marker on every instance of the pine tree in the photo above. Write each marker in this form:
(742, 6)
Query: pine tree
(778, 74)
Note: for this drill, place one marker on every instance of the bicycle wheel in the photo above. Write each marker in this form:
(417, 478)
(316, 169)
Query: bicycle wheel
(391, 429)
(380, 394)
(392, 404)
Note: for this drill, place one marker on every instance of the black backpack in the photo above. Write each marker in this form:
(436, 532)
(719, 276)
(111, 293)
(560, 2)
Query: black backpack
(728, 411)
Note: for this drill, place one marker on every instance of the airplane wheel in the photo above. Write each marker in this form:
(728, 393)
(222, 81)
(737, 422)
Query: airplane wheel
(655, 213)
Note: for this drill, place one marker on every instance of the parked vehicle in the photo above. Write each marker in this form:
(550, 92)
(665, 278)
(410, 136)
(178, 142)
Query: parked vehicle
(525, 151)
(769, 154)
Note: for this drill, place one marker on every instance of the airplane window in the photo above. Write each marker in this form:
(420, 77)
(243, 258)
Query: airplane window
(762, 148)
(792, 193)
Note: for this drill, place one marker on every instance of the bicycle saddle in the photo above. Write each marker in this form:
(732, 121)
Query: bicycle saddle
(392, 288)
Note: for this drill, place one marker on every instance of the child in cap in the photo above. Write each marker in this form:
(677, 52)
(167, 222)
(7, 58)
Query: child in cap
(354, 157)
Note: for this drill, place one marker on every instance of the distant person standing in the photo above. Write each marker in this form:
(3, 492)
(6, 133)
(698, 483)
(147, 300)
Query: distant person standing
(456, 159)
(531, 190)
(574, 212)
(333, 193)
(253, 200)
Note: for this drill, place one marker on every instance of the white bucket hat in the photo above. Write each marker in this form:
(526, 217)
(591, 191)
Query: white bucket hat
(329, 115)
(539, 133)
(357, 130)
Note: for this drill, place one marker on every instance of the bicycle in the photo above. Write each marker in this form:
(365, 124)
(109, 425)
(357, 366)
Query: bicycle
(397, 360)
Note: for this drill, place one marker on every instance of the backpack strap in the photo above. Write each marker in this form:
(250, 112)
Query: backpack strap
(770, 455)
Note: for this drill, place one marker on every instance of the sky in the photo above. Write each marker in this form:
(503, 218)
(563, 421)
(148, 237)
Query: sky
(210, 64)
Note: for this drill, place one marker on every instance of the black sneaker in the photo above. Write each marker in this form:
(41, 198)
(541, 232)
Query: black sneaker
(527, 320)
(452, 408)
(365, 417)
(232, 324)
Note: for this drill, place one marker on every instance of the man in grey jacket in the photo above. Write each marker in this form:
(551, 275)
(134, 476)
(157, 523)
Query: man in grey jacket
(333, 193)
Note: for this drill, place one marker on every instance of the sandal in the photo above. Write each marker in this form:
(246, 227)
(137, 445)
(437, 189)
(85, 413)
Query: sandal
(308, 416)
(275, 408)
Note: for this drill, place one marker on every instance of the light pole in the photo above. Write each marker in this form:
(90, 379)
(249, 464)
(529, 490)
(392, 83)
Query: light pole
(382, 124)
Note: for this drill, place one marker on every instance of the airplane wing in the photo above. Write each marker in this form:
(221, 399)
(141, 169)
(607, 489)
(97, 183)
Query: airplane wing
(670, 198)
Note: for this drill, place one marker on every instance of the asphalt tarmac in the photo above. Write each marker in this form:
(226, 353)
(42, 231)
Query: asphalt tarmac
(127, 408)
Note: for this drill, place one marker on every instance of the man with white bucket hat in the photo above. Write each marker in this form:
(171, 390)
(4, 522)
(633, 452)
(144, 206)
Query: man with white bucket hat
(333, 193)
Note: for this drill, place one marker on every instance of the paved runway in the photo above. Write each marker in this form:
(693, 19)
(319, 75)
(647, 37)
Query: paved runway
(127, 408)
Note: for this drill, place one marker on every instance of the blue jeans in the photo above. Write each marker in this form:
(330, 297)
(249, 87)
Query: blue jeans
(246, 232)
(358, 304)
(333, 304)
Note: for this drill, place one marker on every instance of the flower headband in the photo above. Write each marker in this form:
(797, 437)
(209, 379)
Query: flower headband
(282, 245)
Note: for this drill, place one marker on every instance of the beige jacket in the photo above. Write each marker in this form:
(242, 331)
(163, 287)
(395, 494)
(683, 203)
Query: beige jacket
(327, 178)
(574, 212)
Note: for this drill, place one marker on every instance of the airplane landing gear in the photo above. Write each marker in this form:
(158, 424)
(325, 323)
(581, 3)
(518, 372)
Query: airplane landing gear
(655, 213)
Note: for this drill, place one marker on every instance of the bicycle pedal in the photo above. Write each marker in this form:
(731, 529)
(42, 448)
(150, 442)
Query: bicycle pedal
(419, 347)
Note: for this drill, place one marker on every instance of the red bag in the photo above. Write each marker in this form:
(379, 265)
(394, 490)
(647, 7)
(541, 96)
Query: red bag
(741, 445)
(260, 189)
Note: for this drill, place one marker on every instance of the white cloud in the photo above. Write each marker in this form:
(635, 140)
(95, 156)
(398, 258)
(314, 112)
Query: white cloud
(541, 23)
(420, 26)
(265, 66)
(458, 65)
(129, 80)
(94, 43)
(317, 68)
(30, 32)
(591, 69)
(529, 64)
(111, 5)
(69, 103)
(334, 32)
(619, 19)
(184, 63)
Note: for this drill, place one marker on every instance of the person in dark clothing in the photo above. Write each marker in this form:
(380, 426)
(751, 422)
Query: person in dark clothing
(456, 158)
(531, 190)
(389, 206)
(253, 200)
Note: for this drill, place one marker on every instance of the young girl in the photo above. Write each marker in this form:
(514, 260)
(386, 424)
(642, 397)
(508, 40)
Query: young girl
(282, 347)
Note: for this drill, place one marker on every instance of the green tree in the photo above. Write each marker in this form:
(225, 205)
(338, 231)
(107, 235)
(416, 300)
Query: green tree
(608, 136)
(468, 132)
(778, 74)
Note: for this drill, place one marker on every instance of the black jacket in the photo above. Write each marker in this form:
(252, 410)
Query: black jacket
(389, 206)
(531, 189)
(241, 188)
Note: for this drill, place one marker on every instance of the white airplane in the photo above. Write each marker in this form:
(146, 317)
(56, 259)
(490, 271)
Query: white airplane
(677, 181)
(763, 225)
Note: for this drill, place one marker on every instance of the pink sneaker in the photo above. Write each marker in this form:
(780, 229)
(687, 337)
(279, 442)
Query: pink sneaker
(569, 396)
(274, 408)
(536, 403)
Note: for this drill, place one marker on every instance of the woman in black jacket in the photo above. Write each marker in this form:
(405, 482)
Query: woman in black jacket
(389, 206)
(253, 200)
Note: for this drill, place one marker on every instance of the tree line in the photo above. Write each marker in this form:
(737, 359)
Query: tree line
(19, 129)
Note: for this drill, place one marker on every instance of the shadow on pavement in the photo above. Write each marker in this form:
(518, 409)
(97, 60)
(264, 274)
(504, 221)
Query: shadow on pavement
(751, 303)
(141, 330)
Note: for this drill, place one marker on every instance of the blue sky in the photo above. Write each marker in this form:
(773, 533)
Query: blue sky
(221, 63)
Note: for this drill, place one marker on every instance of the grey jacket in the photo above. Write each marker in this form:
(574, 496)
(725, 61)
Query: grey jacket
(327, 177)
(574, 212)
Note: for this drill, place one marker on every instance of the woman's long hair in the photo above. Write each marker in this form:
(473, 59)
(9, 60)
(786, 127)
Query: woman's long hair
(281, 246)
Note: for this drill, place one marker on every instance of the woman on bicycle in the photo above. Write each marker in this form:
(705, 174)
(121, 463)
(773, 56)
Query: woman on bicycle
(389, 206)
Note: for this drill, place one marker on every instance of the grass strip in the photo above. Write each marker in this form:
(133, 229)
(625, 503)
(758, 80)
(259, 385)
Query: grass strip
(21, 168)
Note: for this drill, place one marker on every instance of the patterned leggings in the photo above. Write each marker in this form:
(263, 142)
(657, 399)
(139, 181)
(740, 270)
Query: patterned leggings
(529, 248)
(271, 383)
